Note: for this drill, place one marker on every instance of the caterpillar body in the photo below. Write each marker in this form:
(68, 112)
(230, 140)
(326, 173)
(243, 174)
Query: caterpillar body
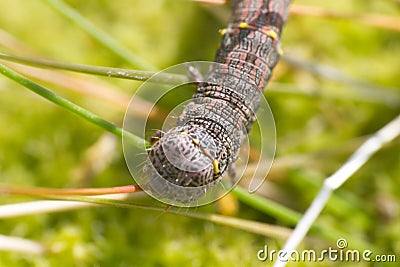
(187, 160)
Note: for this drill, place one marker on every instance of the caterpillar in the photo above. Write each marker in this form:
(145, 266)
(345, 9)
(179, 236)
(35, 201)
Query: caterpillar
(184, 162)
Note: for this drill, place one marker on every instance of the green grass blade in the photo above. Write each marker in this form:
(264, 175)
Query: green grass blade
(129, 74)
(60, 101)
(99, 35)
(267, 206)
(81, 68)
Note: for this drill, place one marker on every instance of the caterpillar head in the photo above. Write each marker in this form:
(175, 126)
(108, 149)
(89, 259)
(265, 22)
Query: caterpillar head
(182, 164)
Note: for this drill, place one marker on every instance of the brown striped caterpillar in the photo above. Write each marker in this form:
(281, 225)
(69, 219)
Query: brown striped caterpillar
(190, 158)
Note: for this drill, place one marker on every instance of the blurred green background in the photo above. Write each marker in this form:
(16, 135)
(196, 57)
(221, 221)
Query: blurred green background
(319, 123)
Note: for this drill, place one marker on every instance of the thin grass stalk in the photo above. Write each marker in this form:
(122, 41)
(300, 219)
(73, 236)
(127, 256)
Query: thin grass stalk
(11, 243)
(130, 74)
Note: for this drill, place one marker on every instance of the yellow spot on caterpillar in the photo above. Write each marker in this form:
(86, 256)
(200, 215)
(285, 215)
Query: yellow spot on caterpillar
(196, 141)
(207, 153)
(214, 161)
(215, 165)
(222, 31)
(271, 34)
(280, 51)
(243, 25)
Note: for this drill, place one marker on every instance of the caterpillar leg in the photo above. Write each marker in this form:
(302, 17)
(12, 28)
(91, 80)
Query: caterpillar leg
(158, 134)
(167, 208)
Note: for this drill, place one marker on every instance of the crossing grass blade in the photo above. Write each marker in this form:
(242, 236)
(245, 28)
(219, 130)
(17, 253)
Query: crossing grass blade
(97, 70)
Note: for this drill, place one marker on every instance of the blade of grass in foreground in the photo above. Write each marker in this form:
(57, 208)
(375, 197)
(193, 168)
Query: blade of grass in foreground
(23, 245)
(43, 191)
(68, 105)
(137, 75)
